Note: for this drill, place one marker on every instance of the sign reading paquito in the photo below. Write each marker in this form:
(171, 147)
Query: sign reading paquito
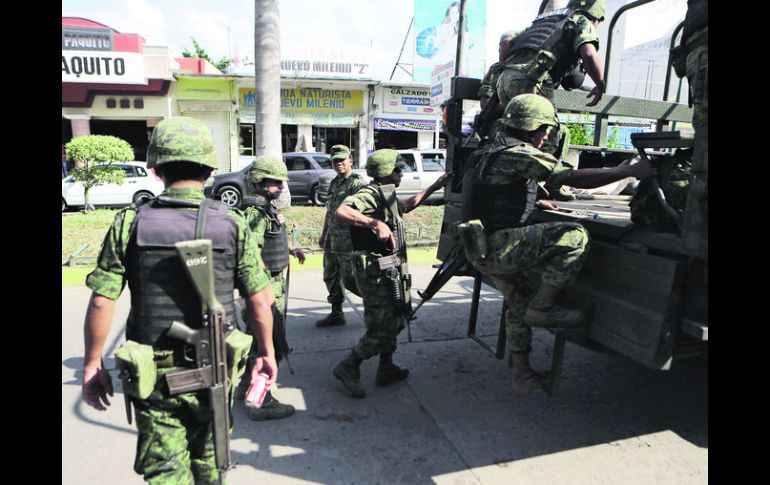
(81, 66)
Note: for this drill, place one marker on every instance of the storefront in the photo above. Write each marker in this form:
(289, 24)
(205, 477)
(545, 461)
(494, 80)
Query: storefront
(209, 98)
(403, 117)
(315, 115)
(112, 84)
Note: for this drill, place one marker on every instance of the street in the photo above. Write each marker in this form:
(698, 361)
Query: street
(453, 421)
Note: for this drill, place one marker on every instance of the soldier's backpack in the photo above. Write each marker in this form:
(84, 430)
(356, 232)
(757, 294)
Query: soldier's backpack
(674, 179)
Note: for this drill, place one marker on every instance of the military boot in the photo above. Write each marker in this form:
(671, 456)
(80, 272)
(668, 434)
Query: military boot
(474, 239)
(388, 372)
(336, 317)
(270, 409)
(525, 380)
(544, 312)
(348, 372)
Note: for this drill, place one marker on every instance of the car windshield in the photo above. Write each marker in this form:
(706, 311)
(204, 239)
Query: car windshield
(433, 162)
(324, 162)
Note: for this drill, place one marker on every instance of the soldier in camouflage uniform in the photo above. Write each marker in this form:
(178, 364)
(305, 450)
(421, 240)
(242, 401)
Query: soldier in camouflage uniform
(175, 442)
(503, 246)
(335, 238)
(268, 174)
(369, 214)
(695, 38)
(579, 41)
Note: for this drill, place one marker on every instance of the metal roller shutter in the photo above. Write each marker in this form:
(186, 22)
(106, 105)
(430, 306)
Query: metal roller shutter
(219, 124)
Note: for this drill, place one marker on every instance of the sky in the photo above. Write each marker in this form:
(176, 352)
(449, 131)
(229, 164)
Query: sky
(374, 29)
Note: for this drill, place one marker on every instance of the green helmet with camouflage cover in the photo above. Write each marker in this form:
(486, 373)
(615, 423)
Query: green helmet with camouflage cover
(527, 112)
(382, 162)
(594, 8)
(268, 167)
(181, 139)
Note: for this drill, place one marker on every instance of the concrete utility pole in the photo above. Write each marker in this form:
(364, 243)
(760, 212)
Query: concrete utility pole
(267, 83)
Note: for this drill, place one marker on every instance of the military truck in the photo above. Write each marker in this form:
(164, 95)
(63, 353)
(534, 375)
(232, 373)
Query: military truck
(644, 294)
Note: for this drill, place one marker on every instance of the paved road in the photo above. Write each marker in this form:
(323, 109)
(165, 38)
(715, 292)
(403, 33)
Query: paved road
(454, 421)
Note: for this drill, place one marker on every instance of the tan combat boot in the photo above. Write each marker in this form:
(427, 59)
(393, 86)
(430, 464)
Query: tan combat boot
(525, 380)
(348, 372)
(544, 312)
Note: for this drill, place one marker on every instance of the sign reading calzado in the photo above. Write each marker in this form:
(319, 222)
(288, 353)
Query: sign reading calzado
(400, 99)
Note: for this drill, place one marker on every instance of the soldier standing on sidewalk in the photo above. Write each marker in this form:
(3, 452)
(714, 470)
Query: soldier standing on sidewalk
(335, 238)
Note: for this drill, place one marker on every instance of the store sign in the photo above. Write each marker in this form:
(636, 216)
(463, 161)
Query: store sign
(102, 67)
(86, 40)
(441, 83)
(312, 100)
(404, 125)
(400, 99)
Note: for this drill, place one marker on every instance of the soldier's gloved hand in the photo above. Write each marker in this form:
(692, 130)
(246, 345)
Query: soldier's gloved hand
(97, 383)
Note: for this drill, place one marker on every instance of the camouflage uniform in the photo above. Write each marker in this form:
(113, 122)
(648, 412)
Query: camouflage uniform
(696, 213)
(383, 321)
(513, 79)
(337, 247)
(555, 249)
(175, 438)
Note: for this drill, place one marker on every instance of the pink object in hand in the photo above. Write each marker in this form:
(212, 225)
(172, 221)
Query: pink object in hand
(257, 390)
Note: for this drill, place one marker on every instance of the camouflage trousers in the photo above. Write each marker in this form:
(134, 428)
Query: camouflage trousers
(338, 274)
(383, 322)
(278, 316)
(175, 444)
(555, 249)
(513, 82)
(696, 212)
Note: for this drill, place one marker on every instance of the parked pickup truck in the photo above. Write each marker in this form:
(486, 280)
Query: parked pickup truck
(423, 168)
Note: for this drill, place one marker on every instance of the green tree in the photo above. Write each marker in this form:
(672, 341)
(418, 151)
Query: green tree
(93, 156)
(200, 53)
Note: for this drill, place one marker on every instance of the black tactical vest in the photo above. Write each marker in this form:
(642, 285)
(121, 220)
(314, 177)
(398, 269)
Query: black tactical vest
(275, 250)
(500, 206)
(365, 239)
(161, 291)
(537, 35)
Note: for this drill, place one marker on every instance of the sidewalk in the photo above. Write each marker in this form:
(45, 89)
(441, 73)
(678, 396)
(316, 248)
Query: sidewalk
(453, 421)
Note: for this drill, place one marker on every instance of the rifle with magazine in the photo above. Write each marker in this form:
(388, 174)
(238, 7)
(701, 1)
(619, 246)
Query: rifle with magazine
(208, 344)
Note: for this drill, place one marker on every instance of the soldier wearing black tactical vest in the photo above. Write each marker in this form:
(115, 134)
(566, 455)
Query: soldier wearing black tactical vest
(371, 213)
(547, 55)
(174, 432)
(499, 240)
(267, 175)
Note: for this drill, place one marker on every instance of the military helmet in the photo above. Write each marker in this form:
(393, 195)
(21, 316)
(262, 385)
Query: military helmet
(594, 8)
(268, 167)
(527, 112)
(181, 139)
(382, 162)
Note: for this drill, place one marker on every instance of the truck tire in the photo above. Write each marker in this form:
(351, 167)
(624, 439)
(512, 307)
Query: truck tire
(314, 197)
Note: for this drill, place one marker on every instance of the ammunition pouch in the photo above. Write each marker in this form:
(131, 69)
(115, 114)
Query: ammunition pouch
(538, 69)
(238, 345)
(679, 60)
(138, 370)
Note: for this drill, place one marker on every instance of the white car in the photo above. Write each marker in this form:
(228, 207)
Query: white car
(140, 182)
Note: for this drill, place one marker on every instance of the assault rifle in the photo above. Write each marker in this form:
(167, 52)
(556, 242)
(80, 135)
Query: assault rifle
(395, 265)
(208, 344)
(451, 266)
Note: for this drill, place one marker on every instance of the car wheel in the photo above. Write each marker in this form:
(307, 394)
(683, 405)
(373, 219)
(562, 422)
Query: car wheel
(314, 197)
(63, 205)
(230, 196)
(141, 195)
